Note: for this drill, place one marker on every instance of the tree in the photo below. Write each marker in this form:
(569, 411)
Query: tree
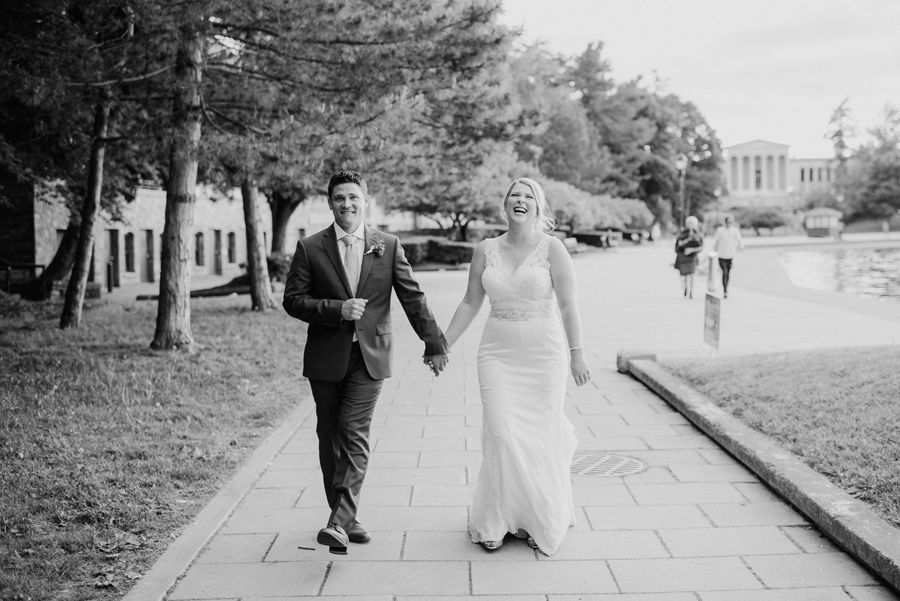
(556, 134)
(841, 129)
(822, 198)
(871, 183)
(173, 317)
(760, 219)
(56, 112)
(71, 313)
(453, 156)
(880, 194)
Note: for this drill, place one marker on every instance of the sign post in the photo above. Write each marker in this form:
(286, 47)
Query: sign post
(713, 275)
(711, 322)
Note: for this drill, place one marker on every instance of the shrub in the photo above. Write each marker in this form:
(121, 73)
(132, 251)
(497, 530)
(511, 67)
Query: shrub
(760, 218)
(452, 253)
(279, 265)
(416, 250)
(589, 238)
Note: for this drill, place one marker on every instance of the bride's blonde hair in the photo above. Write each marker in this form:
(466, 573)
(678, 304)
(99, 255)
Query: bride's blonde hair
(544, 220)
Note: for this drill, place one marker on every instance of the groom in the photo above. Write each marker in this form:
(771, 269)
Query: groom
(340, 283)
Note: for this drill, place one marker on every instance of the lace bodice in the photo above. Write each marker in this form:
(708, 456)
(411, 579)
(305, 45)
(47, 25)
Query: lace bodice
(528, 288)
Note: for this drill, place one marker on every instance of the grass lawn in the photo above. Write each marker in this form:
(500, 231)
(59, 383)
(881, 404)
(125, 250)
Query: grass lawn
(108, 449)
(839, 410)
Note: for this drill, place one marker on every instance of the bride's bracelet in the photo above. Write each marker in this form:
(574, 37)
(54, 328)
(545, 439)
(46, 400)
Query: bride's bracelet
(576, 348)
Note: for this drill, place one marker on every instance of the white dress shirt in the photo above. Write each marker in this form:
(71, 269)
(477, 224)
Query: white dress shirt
(728, 241)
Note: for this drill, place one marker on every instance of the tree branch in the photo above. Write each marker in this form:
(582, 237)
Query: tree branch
(99, 84)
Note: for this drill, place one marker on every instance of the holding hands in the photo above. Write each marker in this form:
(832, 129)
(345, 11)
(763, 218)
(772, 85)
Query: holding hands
(436, 363)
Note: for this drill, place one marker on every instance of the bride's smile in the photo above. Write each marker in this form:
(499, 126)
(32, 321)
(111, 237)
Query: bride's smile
(521, 204)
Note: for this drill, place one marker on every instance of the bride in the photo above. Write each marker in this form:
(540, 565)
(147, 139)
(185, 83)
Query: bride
(524, 487)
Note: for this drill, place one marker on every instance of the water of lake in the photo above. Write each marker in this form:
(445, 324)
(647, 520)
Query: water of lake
(865, 272)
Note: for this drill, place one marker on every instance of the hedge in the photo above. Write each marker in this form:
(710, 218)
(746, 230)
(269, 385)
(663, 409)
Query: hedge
(450, 253)
(416, 250)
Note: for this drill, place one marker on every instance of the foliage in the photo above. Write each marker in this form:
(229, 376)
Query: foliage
(454, 195)
(870, 180)
(841, 130)
(108, 450)
(822, 198)
(557, 135)
(632, 212)
(451, 253)
(359, 69)
(759, 218)
(880, 196)
(58, 65)
(836, 409)
(416, 249)
(279, 264)
(458, 159)
(576, 209)
(609, 138)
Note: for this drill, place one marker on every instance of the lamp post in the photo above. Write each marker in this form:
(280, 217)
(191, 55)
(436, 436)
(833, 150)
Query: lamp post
(681, 163)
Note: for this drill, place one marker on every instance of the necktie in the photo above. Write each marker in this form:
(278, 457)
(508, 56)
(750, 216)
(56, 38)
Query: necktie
(351, 268)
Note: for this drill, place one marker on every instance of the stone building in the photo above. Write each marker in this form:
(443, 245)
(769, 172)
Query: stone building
(128, 250)
(762, 174)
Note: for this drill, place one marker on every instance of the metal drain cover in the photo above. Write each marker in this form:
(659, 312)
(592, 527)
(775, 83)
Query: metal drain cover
(605, 466)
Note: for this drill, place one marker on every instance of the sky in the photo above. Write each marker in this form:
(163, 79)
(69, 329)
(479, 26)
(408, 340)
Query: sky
(773, 70)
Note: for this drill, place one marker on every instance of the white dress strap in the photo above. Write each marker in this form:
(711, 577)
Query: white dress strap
(492, 259)
(542, 254)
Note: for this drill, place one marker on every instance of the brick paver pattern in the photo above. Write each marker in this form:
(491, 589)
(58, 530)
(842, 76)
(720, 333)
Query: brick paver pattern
(694, 526)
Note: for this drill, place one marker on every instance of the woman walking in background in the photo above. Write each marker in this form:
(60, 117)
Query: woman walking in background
(687, 248)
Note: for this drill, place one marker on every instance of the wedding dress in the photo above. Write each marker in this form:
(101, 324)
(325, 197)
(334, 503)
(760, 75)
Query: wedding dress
(527, 441)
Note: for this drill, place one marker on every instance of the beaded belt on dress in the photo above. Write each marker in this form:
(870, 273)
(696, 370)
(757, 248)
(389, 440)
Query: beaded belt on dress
(513, 315)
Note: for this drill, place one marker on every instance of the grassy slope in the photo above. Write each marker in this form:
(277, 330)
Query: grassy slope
(107, 449)
(837, 409)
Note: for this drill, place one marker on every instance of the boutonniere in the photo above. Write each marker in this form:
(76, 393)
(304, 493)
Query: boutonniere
(377, 248)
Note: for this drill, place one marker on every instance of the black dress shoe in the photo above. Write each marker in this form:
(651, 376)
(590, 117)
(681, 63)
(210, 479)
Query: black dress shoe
(358, 534)
(334, 537)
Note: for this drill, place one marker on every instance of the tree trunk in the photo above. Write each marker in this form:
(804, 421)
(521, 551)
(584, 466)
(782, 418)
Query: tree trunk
(283, 207)
(173, 318)
(64, 258)
(71, 313)
(257, 269)
(464, 231)
(41, 287)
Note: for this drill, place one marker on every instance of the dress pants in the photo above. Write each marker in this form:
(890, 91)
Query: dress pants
(344, 414)
(725, 265)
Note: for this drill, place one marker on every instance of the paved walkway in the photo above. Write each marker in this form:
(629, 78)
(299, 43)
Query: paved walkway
(693, 526)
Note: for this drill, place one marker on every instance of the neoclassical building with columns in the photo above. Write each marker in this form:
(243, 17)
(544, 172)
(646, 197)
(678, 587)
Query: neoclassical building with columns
(762, 174)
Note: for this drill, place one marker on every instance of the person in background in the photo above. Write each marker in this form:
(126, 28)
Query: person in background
(655, 232)
(687, 248)
(728, 242)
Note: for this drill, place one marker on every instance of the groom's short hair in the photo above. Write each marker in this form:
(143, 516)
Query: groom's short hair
(347, 177)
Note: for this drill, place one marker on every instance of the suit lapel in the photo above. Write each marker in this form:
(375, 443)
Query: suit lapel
(334, 255)
(367, 259)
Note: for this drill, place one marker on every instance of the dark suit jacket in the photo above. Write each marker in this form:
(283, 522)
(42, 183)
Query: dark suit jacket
(317, 287)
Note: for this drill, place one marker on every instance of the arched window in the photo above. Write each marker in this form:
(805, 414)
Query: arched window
(232, 248)
(198, 249)
(129, 252)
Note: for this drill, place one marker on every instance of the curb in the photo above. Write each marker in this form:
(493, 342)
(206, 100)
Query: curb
(851, 524)
(179, 555)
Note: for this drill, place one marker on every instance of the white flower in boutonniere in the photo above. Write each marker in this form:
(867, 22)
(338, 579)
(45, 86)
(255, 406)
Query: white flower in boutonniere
(377, 248)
